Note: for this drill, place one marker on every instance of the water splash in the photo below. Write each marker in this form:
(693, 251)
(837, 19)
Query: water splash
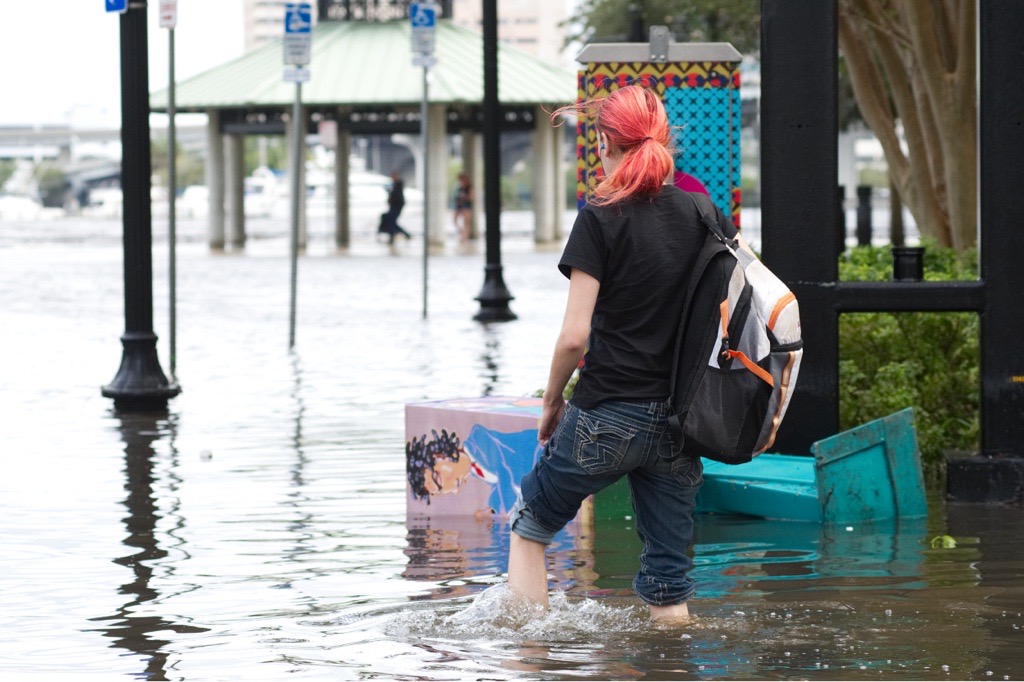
(495, 614)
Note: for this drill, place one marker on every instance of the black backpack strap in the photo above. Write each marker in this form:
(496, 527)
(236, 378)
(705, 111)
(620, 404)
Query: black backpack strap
(709, 216)
(706, 209)
(713, 247)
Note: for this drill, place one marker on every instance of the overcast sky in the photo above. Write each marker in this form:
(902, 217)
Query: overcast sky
(60, 59)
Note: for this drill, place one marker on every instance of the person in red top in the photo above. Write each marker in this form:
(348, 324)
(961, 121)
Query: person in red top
(688, 183)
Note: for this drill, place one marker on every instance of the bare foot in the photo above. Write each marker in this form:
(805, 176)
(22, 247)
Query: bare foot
(676, 613)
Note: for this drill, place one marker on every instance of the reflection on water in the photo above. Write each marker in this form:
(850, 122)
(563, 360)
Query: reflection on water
(130, 627)
(258, 530)
(490, 359)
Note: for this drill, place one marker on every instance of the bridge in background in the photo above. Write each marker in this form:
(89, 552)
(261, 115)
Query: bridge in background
(66, 144)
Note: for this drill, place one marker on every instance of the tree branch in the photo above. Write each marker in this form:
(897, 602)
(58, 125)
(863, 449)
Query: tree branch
(966, 39)
(921, 180)
(920, 20)
(945, 36)
(878, 17)
(869, 88)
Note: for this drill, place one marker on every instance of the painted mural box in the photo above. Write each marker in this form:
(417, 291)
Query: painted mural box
(464, 460)
(466, 456)
(699, 84)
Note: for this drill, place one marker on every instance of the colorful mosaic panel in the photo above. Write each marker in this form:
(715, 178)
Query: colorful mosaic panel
(702, 98)
(705, 125)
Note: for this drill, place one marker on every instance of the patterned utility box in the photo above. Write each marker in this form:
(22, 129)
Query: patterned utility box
(699, 84)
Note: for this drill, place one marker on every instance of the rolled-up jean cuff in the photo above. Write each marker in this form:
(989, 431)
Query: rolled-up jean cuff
(658, 593)
(523, 523)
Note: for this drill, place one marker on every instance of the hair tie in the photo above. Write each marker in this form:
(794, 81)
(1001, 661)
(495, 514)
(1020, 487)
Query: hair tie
(646, 138)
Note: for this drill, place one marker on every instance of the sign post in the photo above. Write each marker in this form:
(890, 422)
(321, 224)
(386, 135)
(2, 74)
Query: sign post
(423, 20)
(168, 20)
(298, 41)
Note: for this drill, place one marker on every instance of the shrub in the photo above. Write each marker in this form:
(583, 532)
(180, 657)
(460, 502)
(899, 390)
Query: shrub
(928, 361)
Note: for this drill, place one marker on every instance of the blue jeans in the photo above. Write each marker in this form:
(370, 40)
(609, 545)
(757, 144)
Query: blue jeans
(590, 450)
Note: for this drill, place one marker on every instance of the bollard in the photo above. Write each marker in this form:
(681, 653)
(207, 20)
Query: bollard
(841, 218)
(908, 263)
(864, 228)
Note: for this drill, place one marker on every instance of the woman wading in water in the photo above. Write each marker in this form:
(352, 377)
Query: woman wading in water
(628, 259)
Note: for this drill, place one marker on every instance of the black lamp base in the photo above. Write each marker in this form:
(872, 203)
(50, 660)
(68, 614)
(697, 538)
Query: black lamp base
(140, 385)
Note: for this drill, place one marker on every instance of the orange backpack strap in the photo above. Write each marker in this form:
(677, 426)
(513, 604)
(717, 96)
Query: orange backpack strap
(753, 367)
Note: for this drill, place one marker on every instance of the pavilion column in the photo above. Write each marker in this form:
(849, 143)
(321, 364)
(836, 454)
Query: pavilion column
(234, 185)
(291, 129)
(557, 141)
(473, 166)
(436, 184)
(544, 172)
(342, 218)
(214, 180)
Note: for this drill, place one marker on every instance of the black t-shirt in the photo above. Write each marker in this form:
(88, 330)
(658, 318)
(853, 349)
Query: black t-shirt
(642, 252)
(396, 196)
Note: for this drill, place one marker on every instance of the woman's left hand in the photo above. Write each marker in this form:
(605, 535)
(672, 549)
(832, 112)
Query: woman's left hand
(549, 418)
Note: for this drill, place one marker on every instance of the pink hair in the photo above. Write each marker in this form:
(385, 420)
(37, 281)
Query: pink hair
(634, 120)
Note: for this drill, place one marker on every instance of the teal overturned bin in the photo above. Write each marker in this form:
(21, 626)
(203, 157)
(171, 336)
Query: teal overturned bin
(869, 473)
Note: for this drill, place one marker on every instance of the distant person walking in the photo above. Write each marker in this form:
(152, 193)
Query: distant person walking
(396, 202)
(464, 208)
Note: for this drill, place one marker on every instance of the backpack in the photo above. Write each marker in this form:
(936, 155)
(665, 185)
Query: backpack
(738, 352)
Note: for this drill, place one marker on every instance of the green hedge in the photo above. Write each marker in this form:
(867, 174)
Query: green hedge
(928, 361)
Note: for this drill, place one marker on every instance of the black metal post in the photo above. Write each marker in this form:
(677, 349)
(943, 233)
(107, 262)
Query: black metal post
(864, 226)
(140, 383)
(494, 296)
(1001, 118)
(841, 218)
(908, 263)
(636, 24)
(799, 158)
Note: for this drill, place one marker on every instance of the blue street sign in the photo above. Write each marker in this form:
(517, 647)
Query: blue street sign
(423, 14)
(423, 17)
(298, 18)
(120, 6)
(298, 35)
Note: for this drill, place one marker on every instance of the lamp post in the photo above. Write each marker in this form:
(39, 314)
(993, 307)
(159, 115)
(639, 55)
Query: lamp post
(140, 384)
(494, 295)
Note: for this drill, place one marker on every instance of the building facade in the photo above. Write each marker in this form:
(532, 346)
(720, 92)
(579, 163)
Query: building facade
(533, 26)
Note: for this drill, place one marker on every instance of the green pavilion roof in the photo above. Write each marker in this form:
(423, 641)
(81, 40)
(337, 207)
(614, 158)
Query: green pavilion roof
(370, 63)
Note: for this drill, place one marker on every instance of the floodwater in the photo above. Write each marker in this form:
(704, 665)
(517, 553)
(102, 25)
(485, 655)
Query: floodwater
(257, 530)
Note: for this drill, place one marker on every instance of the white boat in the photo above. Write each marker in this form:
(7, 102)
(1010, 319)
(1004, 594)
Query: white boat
(104, 202)
(263, 189)
(14, 207)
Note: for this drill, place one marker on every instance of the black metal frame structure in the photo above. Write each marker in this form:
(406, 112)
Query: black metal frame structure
(799, 55)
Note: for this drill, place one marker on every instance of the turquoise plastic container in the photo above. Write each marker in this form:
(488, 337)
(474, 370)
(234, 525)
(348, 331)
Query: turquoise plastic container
(770, 486)
(871, 472)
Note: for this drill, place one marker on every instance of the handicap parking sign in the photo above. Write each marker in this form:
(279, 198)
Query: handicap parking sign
(423, 18)
(423, 15)
(298, 17)
(120, 6)
(298, 37)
